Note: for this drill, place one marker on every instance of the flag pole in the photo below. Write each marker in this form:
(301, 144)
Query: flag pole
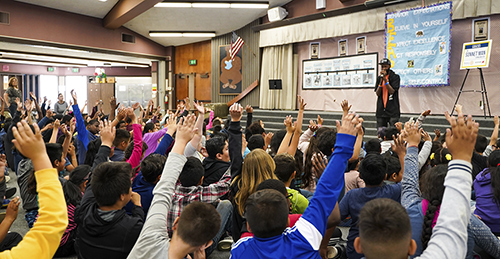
(244, 43)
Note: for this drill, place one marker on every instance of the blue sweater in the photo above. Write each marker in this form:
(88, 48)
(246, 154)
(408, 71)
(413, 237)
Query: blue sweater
(304, 239)
(84, 136)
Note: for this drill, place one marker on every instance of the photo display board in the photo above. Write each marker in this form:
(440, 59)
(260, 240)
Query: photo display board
(476, 54)
(418, 44)
(357, 71)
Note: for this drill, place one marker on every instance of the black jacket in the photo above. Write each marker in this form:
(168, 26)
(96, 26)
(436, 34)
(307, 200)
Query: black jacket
(97, 238)
(214, 170)
(392, 108)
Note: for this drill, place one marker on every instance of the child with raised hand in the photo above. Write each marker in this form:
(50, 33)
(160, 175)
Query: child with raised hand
(385, 229)
(267, 210)
(424, 205)
(43, 239)
(198, 223)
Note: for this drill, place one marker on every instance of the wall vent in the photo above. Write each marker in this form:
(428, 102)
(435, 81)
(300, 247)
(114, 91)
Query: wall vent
(128, 38)
(4, 18)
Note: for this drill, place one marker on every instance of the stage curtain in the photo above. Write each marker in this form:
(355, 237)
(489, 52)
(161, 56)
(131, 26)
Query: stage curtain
(278, 63)
(365, 21)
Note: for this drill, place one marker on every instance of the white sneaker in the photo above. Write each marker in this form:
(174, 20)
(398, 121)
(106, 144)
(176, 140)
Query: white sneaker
(7, 178)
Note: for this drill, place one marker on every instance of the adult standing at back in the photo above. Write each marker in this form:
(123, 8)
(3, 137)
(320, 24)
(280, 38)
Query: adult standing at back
(11, 94)
(387, 89)
(60, 106)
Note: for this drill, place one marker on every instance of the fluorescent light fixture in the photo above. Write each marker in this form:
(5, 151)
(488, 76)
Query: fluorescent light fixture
(210, 5)
(103, 0)
(174, 34)
(34, 62)
(250, 5)
(165, 34)
(173, 4)
(198, 34)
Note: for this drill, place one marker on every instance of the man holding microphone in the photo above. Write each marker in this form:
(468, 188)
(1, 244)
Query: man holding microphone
(387, 87)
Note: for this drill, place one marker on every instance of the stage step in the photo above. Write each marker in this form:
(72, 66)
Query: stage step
(273, 121)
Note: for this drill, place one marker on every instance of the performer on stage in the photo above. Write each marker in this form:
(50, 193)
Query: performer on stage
(388, 99)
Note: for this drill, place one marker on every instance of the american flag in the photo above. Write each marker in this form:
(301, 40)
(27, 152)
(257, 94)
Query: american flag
(236, 44)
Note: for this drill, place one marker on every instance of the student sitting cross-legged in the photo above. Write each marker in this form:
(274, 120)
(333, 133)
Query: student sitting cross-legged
(385, 230)
(198, 223)
(266, 211)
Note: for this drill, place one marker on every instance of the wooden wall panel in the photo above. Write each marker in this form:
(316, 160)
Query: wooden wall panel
(201, 51)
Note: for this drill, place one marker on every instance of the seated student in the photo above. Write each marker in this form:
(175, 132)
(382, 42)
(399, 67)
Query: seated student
(352, 179)
(256, 141)
(27, 183)
(373, 146)
(122, 138)
(73, 192)
(104, 228)
(372, 170)
(189, 189)
(285, 171)
(422, 199)
(198, 223)
(394, 174)
(385, 229)
(217, 162)
(267, 210)
(487, 187)
(388, 139)
(145, 181)
(43, 239)
(479, 162)
(151, 135)
(86, 132)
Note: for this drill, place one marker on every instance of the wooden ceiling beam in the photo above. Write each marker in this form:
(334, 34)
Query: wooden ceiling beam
(126, 10)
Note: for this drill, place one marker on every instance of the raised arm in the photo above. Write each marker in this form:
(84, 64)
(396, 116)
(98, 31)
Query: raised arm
(249, 111)
(426, 149)
(298, 128)
(55, 130)
(199, 124)
(114, 106)
(235, 137)
(410, 191)
(80, 123)
(107, 137)
(493, 138)
(358, 144)
(153, 240)
(167, 139)
(135, 158)
(290, 129)
(449, 236)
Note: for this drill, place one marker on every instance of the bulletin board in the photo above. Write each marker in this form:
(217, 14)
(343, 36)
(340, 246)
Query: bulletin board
(356, 71)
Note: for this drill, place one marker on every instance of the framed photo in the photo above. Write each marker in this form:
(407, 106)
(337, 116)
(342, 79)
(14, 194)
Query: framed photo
(361, 45)
(314, 50)
(342, 47)
(480, 29)
(230, 75)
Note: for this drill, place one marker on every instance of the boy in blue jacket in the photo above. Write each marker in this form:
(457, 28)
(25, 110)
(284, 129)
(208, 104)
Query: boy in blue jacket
(267, 210)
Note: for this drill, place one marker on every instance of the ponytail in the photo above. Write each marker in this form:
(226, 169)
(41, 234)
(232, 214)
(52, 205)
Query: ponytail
(430, 213)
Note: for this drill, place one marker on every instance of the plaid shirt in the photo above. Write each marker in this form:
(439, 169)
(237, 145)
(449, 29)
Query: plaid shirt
(183, 196)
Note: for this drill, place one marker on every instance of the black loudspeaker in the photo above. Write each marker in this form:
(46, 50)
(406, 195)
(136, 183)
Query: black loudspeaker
(275, 84)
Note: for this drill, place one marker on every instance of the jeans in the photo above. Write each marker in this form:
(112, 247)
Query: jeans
(225, 209)
(306, 194)
(383, 121)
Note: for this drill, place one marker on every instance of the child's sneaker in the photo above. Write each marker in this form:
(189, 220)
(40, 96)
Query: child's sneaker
(225, 244)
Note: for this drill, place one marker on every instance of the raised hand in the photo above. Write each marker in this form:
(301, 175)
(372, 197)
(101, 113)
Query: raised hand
(73, 94)
(171, 125)
(268, 138)
(72, 126)
(236, 111)
(57, 124)
(319, 163)
(131, 115)
(199, 107)
(71, 150)
(459, 108)
(320, 120)
(350, 124)
(188, 104)
(399, 146)
(313, 126)
(185, 129)
(289, 124)
(302, 102)
(33, 96)
(345, 106)
(30, 144)
(65, 131)
(122, 113)
(12, 210)
(426, 113)
(426, 136)
(399, 126)
(461, 139)
(249, 109)
(135, 106)
(113, 104)
(412, 133)
(107, 133)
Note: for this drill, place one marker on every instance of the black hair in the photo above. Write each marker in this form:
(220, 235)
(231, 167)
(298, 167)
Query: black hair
(92, 149)
(372, 169)
(109, 181)
(432, 190)
(352, 165)
(54, 151)
(481, 143)
(391, 131)
(276, 141)
(393, 166)
(92, 122)
(440, 156)
(120, 123)
(255, 128)
(66, 119)
(373, 146)
(383, 222)
(148, 127)
(71, 188)
(215, 146)
(273, 184)
(307, 176)
(266, 212)
(256, 141)
(192, 172)
(7, 123)
(130, 149)
(152, 167)
(120, 136)
(198, 224)
(285, 166)
(494, 170)
(326, 142)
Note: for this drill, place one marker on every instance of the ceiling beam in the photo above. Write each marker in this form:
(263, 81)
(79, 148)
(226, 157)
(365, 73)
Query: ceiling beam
(126, 10)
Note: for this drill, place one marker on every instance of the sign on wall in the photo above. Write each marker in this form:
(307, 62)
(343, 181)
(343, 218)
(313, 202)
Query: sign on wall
(476, 54)
(418, 44)
(230, 72)
(356, 71)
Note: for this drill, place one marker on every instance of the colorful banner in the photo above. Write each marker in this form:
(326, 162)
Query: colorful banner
(418, 44)
(476, 54)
